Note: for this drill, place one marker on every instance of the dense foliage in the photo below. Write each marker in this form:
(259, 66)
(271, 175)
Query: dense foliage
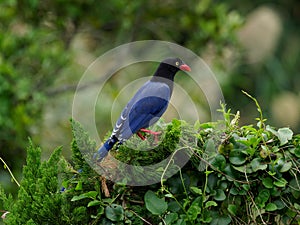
(30, 60)
(237, 175)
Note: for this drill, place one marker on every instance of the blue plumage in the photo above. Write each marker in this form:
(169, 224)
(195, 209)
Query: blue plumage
(146, 106)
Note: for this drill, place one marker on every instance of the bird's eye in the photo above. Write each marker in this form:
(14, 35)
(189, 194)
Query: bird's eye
(177, 63)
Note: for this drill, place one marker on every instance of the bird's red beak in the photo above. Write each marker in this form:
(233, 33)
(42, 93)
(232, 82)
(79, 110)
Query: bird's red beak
(185, 67)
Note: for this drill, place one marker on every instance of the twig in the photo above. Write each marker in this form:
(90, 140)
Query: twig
(261, 119)
(136, 201)
(76, 87)
(11, 174)
(254, 202)
(140, 217)
(166, 168)
(4, 214)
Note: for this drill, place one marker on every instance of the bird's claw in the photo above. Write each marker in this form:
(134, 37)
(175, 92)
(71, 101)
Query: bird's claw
(141, 136)
(154, 133)
(150, 131)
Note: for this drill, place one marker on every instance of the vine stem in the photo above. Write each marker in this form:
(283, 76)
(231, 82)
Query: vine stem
(162, 179)
(166, 168)
(254, 201)
(261, 119)
(147, 222)
(11, 174)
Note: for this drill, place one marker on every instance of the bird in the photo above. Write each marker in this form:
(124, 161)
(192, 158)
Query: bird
(145, 107)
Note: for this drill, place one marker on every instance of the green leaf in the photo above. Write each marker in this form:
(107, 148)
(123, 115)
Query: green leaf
(76, 198)
(170, 218)
(272, 130)
(294, 184)
(193, 212)
(114, 212)
(196, 190)
(220, 195)
(262, 198)
(219, 162)
(280, 182)
(284, 135)
(90, 194)
(222, 220)
(204, 125)
(272, 173)
(297, 206)
(206, 216)
(237, 157)
(154, 204)
(244, 169)
(180, 222)
(197, 125)
(246, 187)
(271, 207)
(210, 203)
(279, 204)
(169, 195)
(107, 200)
(78, 186)
(231, 173)
(93, 203)
(285, 167)
(173, 206)
(210, 148)
(267, 182)
(234, 191)
(257, 165)
(297, 152)
(232, 209)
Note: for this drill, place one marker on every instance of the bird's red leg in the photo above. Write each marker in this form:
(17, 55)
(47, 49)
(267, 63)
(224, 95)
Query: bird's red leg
(140, 135)
(150, 131)
(155, 133)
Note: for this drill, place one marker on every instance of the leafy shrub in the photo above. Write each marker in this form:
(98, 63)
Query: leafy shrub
(237, 175)
(27, 70)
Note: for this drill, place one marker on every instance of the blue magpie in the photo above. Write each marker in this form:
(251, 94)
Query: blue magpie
(146, 106)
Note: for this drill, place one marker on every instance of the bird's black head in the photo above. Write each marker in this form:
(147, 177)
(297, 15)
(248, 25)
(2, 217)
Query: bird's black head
(169, 67)
(175, 64)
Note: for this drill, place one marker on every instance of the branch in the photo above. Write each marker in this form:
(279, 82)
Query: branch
(75, 87)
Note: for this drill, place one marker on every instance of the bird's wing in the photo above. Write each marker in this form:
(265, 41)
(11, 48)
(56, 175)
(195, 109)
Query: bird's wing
(143, 110)
(146, 112)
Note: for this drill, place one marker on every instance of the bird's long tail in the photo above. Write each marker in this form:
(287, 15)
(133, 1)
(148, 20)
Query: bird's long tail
(103, 150)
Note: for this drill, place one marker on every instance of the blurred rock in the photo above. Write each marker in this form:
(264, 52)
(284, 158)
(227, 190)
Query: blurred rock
(81, 47)
(20, 28)
(260, 34)
(286, 110)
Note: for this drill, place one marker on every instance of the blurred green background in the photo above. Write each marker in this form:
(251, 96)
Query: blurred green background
(45, 47)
